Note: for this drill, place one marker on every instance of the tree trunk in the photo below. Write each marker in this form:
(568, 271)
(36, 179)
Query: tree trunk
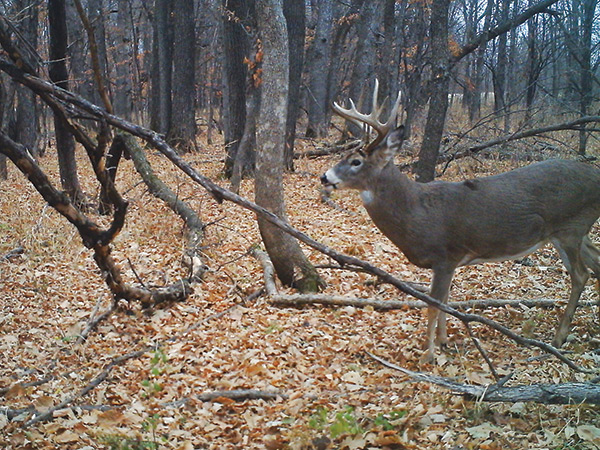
(387, 64)
(246, 156)
(236, 48)
(295, 16)
(319, 60)
(291, 266)
(65, 144)
(588, 8)
(438, 102)
(414, 60)
(500, 69)
(27, 125)
(3, 126)
(363, 70)
(96, 16)
(182, 130)
(478, 88)
(161, 67)
(124, 54)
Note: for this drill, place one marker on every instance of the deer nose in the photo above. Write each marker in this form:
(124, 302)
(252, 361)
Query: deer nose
(324, 179)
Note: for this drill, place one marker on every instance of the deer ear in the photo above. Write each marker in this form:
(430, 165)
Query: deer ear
(395, 138)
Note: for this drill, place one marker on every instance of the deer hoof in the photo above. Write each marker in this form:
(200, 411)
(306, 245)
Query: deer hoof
(427, 357)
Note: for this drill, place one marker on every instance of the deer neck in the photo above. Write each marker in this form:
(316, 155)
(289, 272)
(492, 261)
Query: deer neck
(391, 189)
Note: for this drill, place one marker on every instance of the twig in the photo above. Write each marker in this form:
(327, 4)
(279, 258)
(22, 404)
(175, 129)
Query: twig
(482, 351)
(91, 385)
(95, 320)
(11, 254)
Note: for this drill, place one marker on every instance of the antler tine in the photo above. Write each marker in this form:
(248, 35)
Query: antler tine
(371, 120)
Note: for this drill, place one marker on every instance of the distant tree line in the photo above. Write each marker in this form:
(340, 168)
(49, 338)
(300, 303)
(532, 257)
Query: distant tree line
(185, 67)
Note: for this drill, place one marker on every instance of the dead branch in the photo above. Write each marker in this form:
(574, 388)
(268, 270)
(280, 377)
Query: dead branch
(11, 254)
(194, 225)
(474, 149)
(93, 236)
(236, 395)
(562, 394)
(48, 415)
(331, 150)
(296, 300)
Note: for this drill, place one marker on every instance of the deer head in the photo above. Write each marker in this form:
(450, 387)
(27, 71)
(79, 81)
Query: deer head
(357, 169)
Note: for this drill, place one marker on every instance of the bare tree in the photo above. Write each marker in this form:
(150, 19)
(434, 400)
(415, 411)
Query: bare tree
(124, 57)
(319, 59)
(291, 265)
(295, 16)
(162, 63)
(182, 129)
(236, 43)
(438, 100)
(27, 126)
(65, 144)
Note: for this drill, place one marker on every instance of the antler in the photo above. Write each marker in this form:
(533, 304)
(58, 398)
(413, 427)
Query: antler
(371, 119)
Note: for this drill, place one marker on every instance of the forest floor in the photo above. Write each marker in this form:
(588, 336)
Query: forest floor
(333, 395)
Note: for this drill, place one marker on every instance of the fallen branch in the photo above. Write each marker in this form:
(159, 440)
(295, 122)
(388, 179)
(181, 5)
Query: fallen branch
(236, 395)
(562, 394)
(193, 223)
(48, 415)
(11, 254)
(331, 150)
(388, 305)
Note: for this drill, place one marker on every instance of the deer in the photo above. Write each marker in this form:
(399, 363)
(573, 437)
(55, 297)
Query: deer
(443, 225)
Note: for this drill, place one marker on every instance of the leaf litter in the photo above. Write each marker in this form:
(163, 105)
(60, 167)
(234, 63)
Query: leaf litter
(332, 396)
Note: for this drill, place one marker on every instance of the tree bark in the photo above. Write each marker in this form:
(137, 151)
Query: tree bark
(162, 49)
(182, 130)
(236, 48)
(295, 16)
(291, 266)
(124, 55)
(27, 117)
(65, 144)
(319, 60)
(438, 102)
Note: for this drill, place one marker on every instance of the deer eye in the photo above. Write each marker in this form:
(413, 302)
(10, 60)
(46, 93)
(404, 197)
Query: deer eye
(356, 162)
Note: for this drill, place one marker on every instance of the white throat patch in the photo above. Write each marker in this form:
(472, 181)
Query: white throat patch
(366, 196)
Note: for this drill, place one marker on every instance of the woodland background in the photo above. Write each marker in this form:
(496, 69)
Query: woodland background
(137, 309)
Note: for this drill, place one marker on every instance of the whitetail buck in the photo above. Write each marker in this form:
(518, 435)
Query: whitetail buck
(444, 225)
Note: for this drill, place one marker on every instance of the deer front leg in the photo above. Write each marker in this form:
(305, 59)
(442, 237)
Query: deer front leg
(436, 320)
(573, 260)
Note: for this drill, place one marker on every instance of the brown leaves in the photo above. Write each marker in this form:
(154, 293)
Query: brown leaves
(312, 354)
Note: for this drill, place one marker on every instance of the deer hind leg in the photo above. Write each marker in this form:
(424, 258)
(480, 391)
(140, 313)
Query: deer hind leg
(436, 320)
(591, 258)
(573, 256)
